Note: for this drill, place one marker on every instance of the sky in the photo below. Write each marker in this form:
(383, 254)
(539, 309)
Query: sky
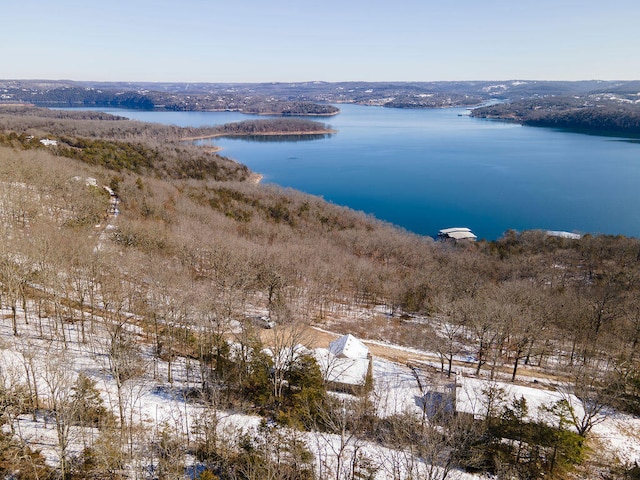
(307, 40)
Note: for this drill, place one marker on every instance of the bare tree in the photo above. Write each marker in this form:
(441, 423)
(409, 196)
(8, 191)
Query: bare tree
(433, 450)
(448, 338)
(30, 353)
(14, 279)
(13, 395)
(118, 345)
(481, 327)
(585, 398)
(285, 342)
(59, 378)
(341, 422)
(80, 279)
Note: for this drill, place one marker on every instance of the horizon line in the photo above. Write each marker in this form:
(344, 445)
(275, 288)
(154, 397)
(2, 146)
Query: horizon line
(311, 81)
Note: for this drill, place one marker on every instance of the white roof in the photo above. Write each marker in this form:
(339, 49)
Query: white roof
(556, 233)
(457, 233)
(446, 231)
(462, 235)
(348, 346)
(343, 370)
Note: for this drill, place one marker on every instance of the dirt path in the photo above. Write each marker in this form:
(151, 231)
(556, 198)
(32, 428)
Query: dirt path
(315, 337)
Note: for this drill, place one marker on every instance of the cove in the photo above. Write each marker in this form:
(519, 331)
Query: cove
(424, 170)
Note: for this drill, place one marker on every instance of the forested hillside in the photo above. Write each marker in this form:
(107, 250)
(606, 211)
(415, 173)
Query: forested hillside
(284, 126)
(595, 113)
(69, 94)
(152, 287)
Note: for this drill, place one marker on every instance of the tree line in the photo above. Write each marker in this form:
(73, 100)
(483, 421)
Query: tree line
(74, 96)
(597, 114)
(216, 96)
(273, 126)
(188, 256)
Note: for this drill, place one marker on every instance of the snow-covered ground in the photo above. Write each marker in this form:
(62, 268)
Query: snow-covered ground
(151, 401)
(147, 400)
(395, 389)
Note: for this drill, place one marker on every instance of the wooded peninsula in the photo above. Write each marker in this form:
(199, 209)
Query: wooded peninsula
(270, 127)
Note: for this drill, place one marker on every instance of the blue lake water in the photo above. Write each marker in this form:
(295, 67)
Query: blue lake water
(430, 169)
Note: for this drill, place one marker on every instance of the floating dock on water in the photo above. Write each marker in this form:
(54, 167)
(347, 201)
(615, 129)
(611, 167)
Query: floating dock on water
(561, 234)
(457, 234)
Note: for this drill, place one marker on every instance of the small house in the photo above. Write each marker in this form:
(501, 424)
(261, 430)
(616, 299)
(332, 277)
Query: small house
(345, 364)
(348, 346)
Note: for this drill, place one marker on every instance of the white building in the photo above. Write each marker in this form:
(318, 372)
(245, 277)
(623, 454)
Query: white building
(456, 233)
(560, 234)
(348, 346)
(345, 364)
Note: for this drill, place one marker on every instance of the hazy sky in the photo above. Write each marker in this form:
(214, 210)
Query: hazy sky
(284, 40)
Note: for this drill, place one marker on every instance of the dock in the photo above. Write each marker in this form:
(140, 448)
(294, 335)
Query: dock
(457, 234)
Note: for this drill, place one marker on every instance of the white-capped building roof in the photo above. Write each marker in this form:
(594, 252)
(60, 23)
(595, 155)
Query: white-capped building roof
(457, 233)
(557, 233)
(446, 231)
(348, 346)
(341, 370)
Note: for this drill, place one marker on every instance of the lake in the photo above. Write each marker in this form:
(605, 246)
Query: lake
(430, 169)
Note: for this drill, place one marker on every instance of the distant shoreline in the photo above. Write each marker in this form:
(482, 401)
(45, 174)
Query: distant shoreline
(260, 134)
(280, 114)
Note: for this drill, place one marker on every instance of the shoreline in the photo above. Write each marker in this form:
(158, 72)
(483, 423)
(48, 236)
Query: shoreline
(212, 149)
(260, 134)
(280, 114)
(254, 177)
(13, 105)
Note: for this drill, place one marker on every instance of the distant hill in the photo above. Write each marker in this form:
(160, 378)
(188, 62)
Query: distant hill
(313, 98)
(136, 272)
(599, 113)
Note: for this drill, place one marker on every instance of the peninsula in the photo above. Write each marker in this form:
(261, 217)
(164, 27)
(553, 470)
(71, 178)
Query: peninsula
(264, 128)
